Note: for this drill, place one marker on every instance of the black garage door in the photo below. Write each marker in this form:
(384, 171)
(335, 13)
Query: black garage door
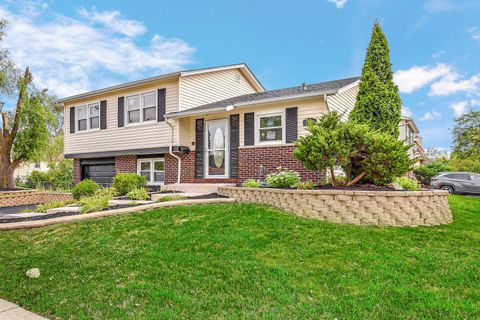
(100, 173)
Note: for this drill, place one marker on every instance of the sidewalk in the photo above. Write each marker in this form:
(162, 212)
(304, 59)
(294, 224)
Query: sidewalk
(11, 311)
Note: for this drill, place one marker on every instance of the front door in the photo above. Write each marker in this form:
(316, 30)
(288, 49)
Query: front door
(216, 152)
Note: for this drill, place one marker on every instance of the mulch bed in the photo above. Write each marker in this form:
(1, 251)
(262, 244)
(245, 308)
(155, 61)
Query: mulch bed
(207, 196)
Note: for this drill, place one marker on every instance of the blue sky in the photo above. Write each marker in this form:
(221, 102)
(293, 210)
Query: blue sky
(77, 46)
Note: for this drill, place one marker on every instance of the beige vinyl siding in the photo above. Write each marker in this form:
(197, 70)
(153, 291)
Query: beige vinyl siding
(152, 135)
(200, 89)
(343, 102)
(311, 108)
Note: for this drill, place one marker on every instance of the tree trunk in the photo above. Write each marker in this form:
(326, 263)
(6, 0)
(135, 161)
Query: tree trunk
(332, 176)
(7, 171)
(357, 179)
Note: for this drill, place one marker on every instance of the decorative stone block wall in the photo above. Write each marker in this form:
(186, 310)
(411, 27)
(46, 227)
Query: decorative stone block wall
(384, 208)
(21, 198)
(126, 164)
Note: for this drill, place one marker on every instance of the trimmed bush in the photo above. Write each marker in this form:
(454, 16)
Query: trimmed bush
(138, 194)
(251, 183)
(307, 185)
(408, 184)
(283, 178)
(85, 188)
(126, 182)
(425, 172)
(110, 192)
(94, 204)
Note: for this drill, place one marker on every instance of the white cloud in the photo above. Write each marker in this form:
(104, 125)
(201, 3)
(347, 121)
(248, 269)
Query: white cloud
(406, 112)
(419, 76)
(451, 84)
(430, 115)
(459, 108)
(442, 78)
(70, 56)
(475, 33)
(339, 3)
(433, 6)
(114, 21)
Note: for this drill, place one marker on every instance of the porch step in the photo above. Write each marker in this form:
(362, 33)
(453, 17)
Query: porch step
(197, 188)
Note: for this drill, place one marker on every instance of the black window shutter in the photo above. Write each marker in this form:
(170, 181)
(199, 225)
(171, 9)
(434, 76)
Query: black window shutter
(234, 142)
(249, 129)
(291, 124)
(103, 114)
(72, 120)
(121, 111)
(199, 129)
(161, 104)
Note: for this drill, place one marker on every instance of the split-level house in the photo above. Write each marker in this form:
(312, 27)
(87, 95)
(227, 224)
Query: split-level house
(410, 134)
(214, 125)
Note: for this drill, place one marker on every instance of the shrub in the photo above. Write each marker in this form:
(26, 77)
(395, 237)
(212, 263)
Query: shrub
(170, 198)
(283, 178)
(425, 172)
(251, 183)
(138, 194)
(408, 184)
(61, 174)
(126, 182)
(307, 185)
(94, 203)
(110, 192)
(467, 165)
(58, 177)
(85, 188)
(57, 204)
(359, 151)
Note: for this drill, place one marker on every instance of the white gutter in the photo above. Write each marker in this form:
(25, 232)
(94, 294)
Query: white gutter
(170, 151)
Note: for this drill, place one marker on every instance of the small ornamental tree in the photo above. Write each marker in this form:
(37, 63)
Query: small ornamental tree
(379, 157)
(378, 102)
(466, 136)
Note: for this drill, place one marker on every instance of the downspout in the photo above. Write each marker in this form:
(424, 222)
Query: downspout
(325, 98)
(170, 151)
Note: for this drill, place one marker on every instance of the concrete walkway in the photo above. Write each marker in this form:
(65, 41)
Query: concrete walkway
(11, 311)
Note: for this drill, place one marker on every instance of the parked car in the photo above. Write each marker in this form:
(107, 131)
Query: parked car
(457, 182)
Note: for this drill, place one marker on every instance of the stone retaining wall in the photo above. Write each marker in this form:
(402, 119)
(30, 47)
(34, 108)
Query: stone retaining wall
(27, 197)
(385, 208)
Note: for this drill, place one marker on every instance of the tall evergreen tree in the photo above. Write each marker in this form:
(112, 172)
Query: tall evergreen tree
(378, 103)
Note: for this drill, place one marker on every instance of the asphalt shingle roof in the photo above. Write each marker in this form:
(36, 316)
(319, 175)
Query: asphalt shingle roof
(328, 87)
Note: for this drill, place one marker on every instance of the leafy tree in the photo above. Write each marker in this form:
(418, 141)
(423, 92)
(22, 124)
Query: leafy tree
(466, 136)
(466, 165)
(378, 102)
(331, 142)
(24, 128)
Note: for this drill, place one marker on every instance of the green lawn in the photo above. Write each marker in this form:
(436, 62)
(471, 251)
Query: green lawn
(245, 261)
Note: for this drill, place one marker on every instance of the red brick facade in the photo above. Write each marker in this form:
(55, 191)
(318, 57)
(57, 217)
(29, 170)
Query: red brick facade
(77, 171)
(254, 163)
(250, 162)
(126, 164)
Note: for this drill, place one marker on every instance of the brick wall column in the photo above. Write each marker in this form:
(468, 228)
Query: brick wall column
(171, 169)
(126, 164)
(77, 171)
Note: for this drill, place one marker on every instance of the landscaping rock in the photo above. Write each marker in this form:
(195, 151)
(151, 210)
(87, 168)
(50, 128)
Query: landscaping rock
(394, 186)
(33, 273)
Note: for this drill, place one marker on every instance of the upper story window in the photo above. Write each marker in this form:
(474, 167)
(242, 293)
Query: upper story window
(142, 108)
(270, 128)
(88, 117)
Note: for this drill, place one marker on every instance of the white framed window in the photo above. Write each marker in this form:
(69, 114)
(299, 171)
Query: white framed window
(88, 117)
(152, 169)
(270, 128)
(141, 108)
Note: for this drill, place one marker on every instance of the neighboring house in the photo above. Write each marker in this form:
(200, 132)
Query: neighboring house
(199, 126)
(25, 169)
(410, 134)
